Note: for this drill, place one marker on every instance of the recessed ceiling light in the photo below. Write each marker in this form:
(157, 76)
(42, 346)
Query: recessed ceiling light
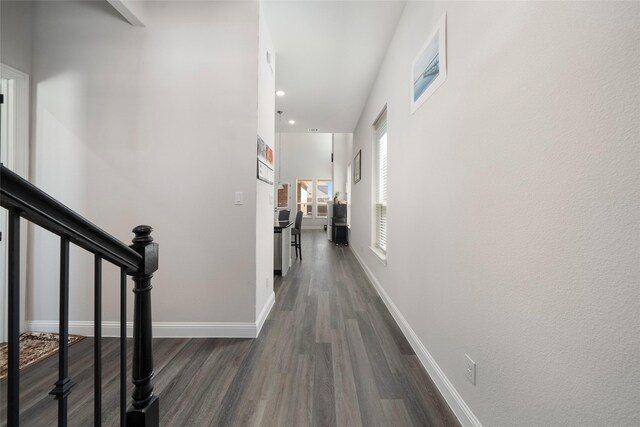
(292, 122)
(280, 93)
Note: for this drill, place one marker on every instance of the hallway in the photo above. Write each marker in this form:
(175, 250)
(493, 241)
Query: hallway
(329, 354)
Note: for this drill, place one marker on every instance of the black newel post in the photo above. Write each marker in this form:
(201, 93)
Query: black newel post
(144, 410)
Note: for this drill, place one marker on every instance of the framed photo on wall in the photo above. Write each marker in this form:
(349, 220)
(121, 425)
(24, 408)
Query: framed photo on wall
(265, 173)
(429, 68)
(265, 162)
(262, 150)
(357, 168)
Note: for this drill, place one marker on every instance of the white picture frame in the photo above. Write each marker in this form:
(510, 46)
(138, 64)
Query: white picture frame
(265, 173)
(429, 67)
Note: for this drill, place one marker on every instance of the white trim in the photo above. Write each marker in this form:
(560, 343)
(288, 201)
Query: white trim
(18, 161)
(126, 12)
(380, 255)
(446, 388)
(20, 156)
(160, 329)
(262, 317)
(314, 227)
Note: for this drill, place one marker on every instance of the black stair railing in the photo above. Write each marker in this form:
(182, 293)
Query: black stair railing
(140, 260)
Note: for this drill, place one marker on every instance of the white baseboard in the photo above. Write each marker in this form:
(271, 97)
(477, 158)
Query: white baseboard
(313, 227)
(160, 329)
(165, 329)
(446, 388)
(262, 317)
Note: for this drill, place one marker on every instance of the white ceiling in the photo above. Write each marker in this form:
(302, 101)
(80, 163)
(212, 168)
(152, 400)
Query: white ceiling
(327, 57)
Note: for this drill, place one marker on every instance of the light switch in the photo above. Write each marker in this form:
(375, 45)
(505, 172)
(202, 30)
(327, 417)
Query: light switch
(238, 198)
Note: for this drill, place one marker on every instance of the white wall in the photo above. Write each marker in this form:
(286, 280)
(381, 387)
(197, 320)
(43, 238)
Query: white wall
(153, 125)
(514, 220)
(15, 34)
(304, 155)
(265, 196)
(15, 52)
(342, 147)
(133, 11)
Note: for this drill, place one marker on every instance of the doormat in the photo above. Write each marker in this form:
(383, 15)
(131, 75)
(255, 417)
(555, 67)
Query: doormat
(34, 347)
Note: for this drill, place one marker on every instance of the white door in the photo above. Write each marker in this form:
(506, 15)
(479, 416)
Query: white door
(5, 86)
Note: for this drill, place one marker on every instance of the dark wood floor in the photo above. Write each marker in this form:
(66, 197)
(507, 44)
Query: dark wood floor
(329, 354)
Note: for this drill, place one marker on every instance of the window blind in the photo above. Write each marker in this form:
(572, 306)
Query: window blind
(380, 174)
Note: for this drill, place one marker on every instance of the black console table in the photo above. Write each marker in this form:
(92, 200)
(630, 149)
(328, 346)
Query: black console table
(340, 232)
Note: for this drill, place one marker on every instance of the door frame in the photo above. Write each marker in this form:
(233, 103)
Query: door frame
(17, 161)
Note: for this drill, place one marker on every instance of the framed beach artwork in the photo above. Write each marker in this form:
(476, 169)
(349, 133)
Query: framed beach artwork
(429, 68)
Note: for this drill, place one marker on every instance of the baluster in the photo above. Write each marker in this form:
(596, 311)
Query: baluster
(97, 345)
(144, 410)
(64, 383)
(13, 383)
(123, 347)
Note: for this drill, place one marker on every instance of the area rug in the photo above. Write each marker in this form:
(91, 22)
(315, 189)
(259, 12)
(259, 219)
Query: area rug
(34, 347)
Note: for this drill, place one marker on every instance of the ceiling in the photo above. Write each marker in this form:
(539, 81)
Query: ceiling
(327, 57)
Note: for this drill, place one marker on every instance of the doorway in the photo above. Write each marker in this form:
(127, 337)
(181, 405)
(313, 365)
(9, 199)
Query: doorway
(14, 154)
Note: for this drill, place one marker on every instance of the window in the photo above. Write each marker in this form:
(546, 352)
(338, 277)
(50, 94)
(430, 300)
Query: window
(304, 196)
(324, 192)
(283, 196)
(312, 201)
(380, 182)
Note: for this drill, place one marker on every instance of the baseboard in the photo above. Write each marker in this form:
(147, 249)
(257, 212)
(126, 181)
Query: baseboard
(312, 227)
(446, 388)
(160, 329)
(166, 329)
(265, 312)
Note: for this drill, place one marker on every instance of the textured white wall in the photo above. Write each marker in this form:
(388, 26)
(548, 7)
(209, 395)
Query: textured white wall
(304, 155)
(265, 195)
(514, 220)
(15, 34)
(153, 125)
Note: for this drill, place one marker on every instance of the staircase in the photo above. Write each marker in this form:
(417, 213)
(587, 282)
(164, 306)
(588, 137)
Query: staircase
(23, 201)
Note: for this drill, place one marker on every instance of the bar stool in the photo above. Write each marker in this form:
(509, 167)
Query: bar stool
(297, 235)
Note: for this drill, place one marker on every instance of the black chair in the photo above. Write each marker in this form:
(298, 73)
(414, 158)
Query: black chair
(284, 215)
(296, 232)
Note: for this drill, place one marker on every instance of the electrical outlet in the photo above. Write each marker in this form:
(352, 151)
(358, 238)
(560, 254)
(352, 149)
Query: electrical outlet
(470, 369)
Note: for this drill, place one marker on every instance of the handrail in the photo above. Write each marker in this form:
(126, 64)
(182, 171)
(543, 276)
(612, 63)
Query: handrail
(140, 261)
(38, 207)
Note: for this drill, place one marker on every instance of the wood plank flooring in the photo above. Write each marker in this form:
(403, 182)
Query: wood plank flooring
(329, 354)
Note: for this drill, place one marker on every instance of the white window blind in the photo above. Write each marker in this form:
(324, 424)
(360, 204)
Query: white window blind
(380, 176)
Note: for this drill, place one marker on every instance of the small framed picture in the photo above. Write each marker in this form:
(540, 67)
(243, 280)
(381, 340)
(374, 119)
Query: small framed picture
(357, 168)
(429, 68)
(265, 173)
(262, 150)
